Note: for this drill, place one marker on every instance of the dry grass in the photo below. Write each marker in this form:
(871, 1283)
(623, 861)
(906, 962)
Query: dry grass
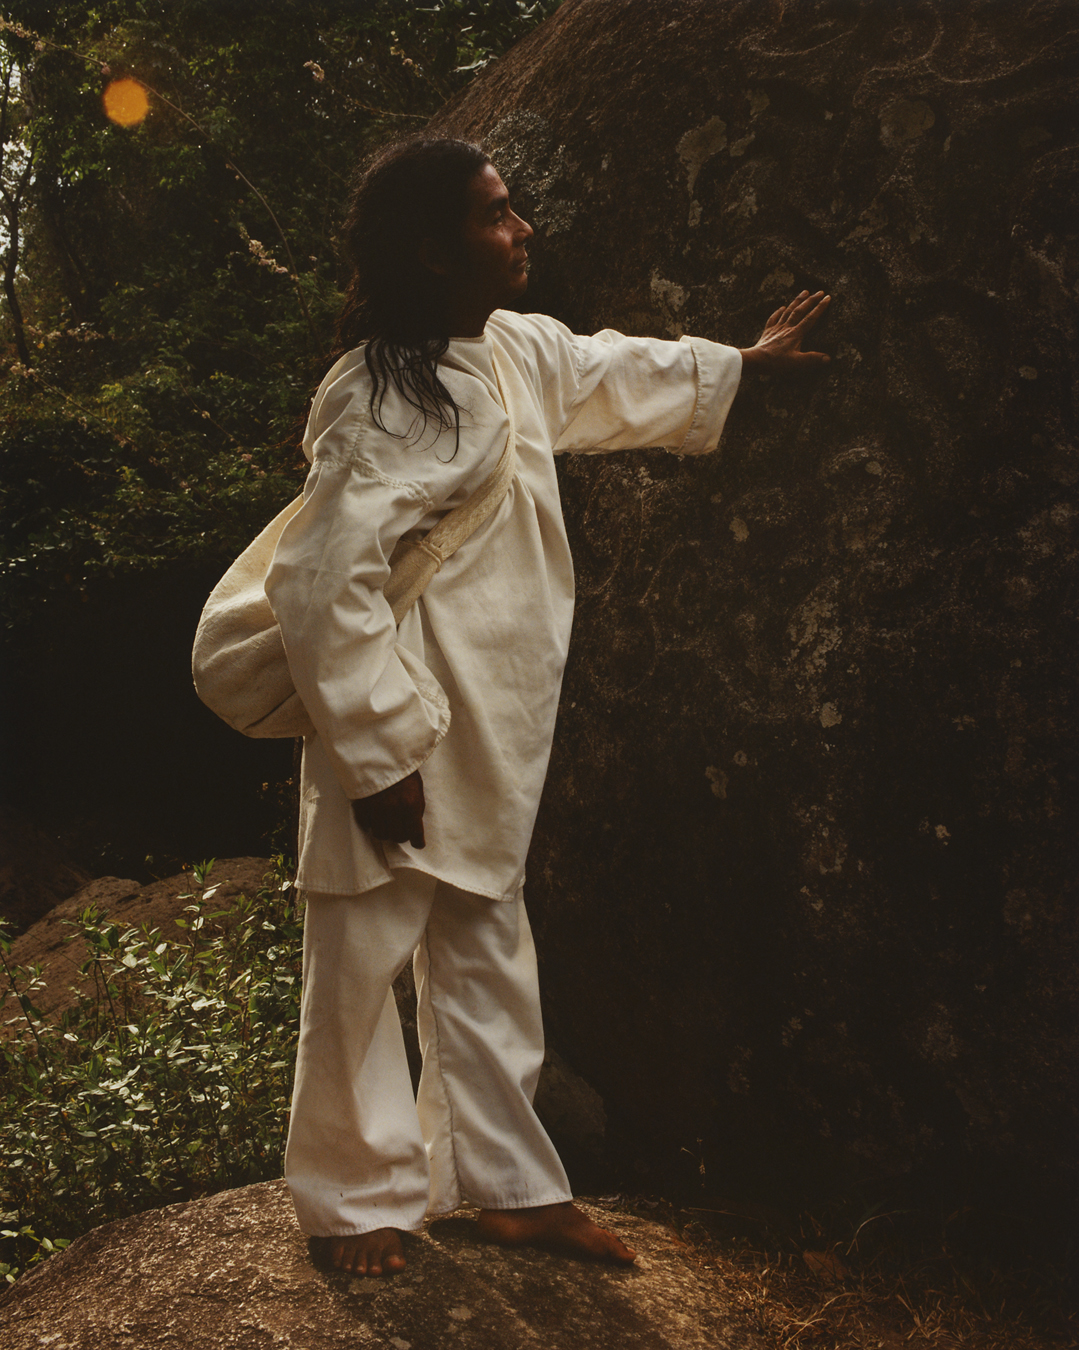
(840, 1297)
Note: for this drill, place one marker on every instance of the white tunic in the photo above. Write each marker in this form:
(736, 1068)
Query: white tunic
(468, 686)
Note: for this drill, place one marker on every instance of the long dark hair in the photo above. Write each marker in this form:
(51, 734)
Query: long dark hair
(413, 190)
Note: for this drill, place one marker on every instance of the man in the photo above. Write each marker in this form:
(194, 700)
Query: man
(395, 861)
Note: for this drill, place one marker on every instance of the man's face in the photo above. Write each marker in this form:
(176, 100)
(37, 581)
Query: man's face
(490, 265)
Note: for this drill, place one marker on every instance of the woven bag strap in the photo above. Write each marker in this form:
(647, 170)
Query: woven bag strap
(413, 565)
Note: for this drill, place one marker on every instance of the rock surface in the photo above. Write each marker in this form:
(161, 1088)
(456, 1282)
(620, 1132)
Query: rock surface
(804, 877)
(234, 1271)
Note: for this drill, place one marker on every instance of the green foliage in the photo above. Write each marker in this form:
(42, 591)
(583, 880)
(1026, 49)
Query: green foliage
(170, 1080)
(171, 287)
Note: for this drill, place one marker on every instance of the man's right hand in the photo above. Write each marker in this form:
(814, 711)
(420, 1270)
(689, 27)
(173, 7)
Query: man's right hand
(779, 347)
(396, 813)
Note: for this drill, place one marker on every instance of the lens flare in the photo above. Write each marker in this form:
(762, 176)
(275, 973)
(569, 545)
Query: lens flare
(125, 102)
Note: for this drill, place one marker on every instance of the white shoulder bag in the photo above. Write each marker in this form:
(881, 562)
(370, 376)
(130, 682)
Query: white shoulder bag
(239, 663)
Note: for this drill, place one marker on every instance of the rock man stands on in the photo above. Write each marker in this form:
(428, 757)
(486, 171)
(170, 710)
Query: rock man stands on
(405, 426)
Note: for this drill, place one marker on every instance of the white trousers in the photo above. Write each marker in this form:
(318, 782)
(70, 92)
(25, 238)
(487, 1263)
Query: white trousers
(362, 1152)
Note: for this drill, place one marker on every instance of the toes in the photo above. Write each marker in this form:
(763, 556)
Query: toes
(607, 1247)
(603, 1243)
(563, 1227)
(366, 1254)
(344, 1256)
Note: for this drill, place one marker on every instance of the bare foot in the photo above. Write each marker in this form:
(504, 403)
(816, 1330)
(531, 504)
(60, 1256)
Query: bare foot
(562, 1227)
(377, 1253)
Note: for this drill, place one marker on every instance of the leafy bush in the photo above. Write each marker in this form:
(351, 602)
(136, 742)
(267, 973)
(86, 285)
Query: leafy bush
(168, 1082)
(170, 287)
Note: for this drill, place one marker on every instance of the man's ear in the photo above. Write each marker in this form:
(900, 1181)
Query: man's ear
(433, 256)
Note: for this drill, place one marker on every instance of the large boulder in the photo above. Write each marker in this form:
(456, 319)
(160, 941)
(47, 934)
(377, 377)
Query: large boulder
(234, 1271)
(804, 875)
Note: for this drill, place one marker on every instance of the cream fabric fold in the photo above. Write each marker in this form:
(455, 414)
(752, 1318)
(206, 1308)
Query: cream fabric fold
(491, 631)
(362, 1152)
(238, 661)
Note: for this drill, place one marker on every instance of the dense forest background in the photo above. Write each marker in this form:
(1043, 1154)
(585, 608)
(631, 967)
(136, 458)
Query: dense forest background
(170, 285)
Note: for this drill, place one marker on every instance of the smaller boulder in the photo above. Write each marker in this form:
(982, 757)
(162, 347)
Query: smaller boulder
(46, 943)
(233, 1272)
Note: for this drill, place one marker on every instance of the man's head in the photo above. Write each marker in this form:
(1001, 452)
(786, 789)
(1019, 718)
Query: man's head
(433, 247)
(429, 222)
(485, 266)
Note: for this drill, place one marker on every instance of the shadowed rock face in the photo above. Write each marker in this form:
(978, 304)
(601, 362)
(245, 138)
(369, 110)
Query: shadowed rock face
(804, 874)
(34, 875)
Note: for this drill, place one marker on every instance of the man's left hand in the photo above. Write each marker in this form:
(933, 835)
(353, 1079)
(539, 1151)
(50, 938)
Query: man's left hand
(396, 813)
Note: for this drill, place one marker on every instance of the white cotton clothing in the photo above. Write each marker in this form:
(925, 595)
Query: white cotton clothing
(468, 686)
(362, 1153)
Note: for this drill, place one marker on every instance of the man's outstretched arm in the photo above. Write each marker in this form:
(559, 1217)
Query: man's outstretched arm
(396, 813)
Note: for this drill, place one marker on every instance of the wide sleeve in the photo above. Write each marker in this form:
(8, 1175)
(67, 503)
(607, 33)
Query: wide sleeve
(377, 709)
(630, 393)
